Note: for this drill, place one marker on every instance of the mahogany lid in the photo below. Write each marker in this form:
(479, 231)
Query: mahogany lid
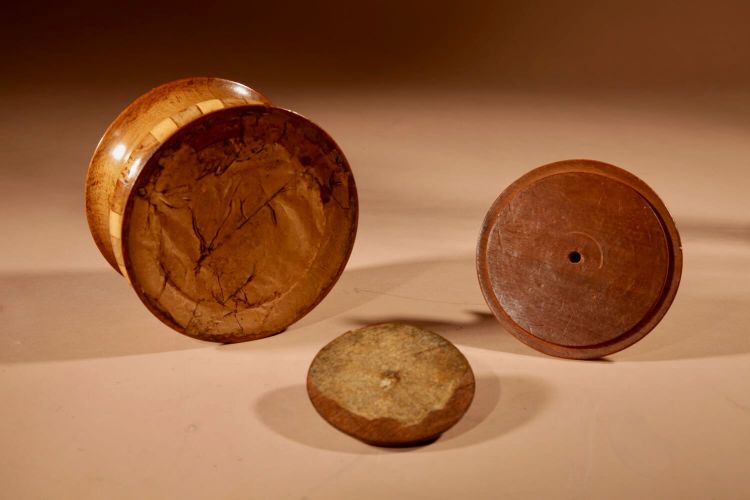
(579, 259)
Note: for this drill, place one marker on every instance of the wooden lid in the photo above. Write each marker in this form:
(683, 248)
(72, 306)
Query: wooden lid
(579, 259)
(391, 384)
(240, 223)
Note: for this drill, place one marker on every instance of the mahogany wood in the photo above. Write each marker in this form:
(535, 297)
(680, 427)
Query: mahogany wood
(579, 259)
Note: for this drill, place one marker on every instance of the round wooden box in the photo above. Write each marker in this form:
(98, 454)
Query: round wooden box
(230, 218)
(579, 259)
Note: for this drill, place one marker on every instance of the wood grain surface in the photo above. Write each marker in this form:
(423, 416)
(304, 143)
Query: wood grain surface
(579, 259)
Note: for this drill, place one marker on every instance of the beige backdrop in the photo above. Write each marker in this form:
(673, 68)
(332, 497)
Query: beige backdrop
(438, 106)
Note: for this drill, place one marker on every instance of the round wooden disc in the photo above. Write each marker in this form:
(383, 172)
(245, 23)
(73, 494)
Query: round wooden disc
(240, 223)
(579, 259)
(391, 384)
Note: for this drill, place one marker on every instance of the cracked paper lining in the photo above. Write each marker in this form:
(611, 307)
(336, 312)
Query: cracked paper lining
(241, 223)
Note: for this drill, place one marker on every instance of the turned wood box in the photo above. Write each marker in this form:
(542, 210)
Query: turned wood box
(231, 218)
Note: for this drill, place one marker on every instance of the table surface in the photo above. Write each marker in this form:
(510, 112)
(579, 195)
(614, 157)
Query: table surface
(100, 400)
